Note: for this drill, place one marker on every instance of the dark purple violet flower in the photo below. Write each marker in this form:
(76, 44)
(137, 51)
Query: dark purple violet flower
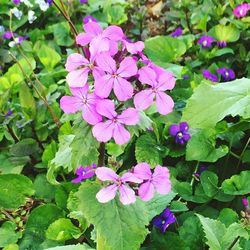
(49, 2)
(7, 35)
(83, 1)
(87, 19)
(205, 41)
(84, 173)
(177, 32)
(227, 74)
(9, 113)
(241, 10)
(222, 44)
(163, 220)
(199, 172)
(180, 132)
(245, 203)
(208, 75)
(16, 2)
(185, 76)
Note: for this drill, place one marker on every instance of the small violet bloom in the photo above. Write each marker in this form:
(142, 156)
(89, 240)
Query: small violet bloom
(114, 125)
(49, 2)
(178, 32)
(245, 202)
(200, 171)
(185, 76)
(17, 13)
(83, 1)
(180, 132)
(115, 78)
(241, 10)
(227, 74)
(221, 44)
(7, 35)
(9, 113)
(159, 81)
(163, 220)
(84, 173)
(208, 75)
(87, 19)
(118, 184)
(159, 180)
(16, 2)
(84, 101)
(205, 41)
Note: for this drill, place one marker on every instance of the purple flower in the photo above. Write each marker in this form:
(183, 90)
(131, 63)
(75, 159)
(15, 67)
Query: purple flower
(7, 35)
(245, 202)
(84, 173)
(180, 132)
(83, 1)
(199, 172)
(212, 77)
(163, 220)
(205, 41)
(221, 44)
(241, 10)
(9, 113)
(118, 184)
(185, 76)
(227, 74)
(87, 19)
(177, 32)
(49, 2)
(16, 2)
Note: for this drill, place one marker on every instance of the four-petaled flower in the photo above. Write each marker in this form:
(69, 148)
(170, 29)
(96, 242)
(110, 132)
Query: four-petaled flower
(114, 125)
(163, 220)
(227, 74)
(127, 194)
(180, 132)
(159, 180)
(115, 78)
(84, 173)
(177, 32)
(159, 82)
(241, 10)
(208, 75)
(205, 41)
(84, 101)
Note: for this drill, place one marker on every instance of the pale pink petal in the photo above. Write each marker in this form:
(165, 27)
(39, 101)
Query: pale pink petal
(106, 108)
(95, 48)
(146, 191)
(70, 104)
(161, 180)
(106, 174)
(147, 75)
(120, 134)
(166, 81)
(130, 177)
(127, 67)
(80, 92)
(107, 194)
(104, 85)
(142, 171)
(93, 28)
(103, 131)
(90, 115)
(74, 61)
(113, 47)
(144, 99)
(114, 33)
(106, 62)
(77, 78)
(123, 89)
(164, 103)
(134, 48)
(127, 195)
(84, 38)
(129, 116)
(97, 72)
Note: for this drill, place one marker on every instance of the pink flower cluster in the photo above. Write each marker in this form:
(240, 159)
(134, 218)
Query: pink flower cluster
(110, 73)
(158, 181)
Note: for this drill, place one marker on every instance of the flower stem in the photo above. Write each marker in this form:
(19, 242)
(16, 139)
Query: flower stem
(101, 159)
(195, 170)
(242, 153)
(233, 243)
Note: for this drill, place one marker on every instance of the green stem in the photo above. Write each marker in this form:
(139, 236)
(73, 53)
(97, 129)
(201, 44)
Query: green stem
(195, 170)
(242, 153)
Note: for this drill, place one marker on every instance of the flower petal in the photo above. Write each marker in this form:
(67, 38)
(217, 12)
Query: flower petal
(184, 127)
(166, 81)
(107, 194)
(127, 195)
(121, 135)
(161, 180)
(142, 171)
(70, 104)
(123, 89)
(74, 61)
(164, 103)
(130, 177)
(82, 92)
(106, 174)
(127, 67)
(134, 48)
(95, 48)
(146, 191)
(103, 131)
(174, 129)
(106, 62)
(84, 38)
(114, 33)
(104, 85)
(90, 115)
(92, 28)
(144, 99)
(106, 108)
(147, 75)
(129, 116)
(77, 78)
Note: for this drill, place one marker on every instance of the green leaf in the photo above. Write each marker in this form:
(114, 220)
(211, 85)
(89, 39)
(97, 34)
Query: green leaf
(178, 206)
(164, 49)
(8, 234)
(202, 147)
(130, 221)
(12, 165)
(24, 147)
(228, 216)
(48, 57)
(38, 222)
(229, 98)
(227, 33)
(237, 184)
(13, 190)
(27, 100)
(246, 157)
(62, 230)
(209, 182)
(61, 33)
(143, 144)
(72, 247)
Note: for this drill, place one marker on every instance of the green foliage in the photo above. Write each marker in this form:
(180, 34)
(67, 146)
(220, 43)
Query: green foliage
(8, 234)
(25, 147)
(228, 33)
(72, 247)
